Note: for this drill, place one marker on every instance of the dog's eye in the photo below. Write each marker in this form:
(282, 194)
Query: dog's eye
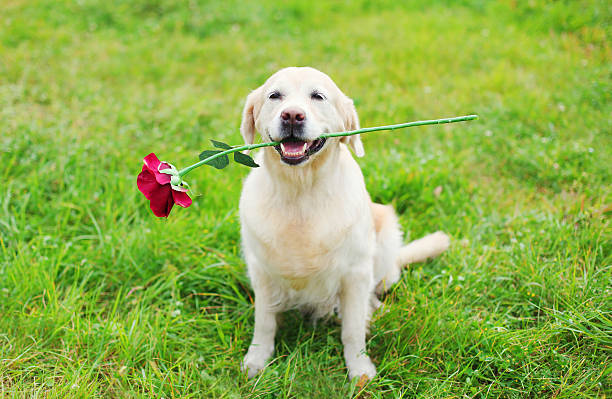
(315, 95)
(275, 95)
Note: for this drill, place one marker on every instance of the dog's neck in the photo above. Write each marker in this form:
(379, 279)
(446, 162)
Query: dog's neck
(294, 181)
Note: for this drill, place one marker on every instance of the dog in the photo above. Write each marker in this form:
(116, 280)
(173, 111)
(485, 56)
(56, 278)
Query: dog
(312, 238)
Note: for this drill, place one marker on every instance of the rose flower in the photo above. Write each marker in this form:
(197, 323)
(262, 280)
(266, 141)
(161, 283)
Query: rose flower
(157, 188)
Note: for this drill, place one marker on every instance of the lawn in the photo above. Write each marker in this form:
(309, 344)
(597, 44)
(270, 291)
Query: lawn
(99, 298)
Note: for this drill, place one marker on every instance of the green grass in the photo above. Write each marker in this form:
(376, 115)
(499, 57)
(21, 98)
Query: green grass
(98, 298)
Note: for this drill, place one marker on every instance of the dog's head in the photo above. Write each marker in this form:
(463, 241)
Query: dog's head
(294, 107)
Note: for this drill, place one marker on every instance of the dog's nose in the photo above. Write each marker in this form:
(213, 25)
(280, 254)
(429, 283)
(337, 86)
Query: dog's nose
(293, 115)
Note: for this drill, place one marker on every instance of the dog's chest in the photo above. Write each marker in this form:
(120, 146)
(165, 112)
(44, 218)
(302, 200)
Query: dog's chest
(307, 234)
(296, 243)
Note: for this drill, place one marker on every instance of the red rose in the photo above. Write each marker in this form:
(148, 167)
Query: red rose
(156, 187)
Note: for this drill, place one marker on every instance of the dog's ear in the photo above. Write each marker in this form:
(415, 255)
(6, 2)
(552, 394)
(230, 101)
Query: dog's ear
(249, 113)
(351, 122)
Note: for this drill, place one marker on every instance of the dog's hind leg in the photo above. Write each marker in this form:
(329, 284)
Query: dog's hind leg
(391, 256)
(388, 244)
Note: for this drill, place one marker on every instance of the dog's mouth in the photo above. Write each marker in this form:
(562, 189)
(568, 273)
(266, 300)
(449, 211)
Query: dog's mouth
(294, 151)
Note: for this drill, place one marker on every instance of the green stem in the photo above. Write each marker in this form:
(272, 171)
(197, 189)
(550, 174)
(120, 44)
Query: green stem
(188, 169)
(403, 125)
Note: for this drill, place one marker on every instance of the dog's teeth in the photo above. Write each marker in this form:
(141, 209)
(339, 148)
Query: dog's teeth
(298, 153)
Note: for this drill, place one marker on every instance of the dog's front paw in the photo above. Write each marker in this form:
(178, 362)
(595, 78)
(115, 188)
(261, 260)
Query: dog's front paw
(361, 366)
(255, 360)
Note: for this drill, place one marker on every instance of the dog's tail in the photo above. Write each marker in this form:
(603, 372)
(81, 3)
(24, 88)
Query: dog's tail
(420, 250)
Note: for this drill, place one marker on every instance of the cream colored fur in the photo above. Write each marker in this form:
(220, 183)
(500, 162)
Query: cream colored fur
(311, 236)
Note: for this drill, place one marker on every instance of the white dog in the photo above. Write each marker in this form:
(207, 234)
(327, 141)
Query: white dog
(312, 238)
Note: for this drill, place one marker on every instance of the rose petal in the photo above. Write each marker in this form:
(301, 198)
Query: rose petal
(162, 178)
(162, 201)
(151, 161)
(153, 164)
(181, 198)
(146, 182)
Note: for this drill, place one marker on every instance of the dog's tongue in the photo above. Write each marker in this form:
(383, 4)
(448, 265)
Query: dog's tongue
(294, 146)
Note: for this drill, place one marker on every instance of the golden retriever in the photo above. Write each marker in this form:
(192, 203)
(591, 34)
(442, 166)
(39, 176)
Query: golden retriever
(312, 238)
